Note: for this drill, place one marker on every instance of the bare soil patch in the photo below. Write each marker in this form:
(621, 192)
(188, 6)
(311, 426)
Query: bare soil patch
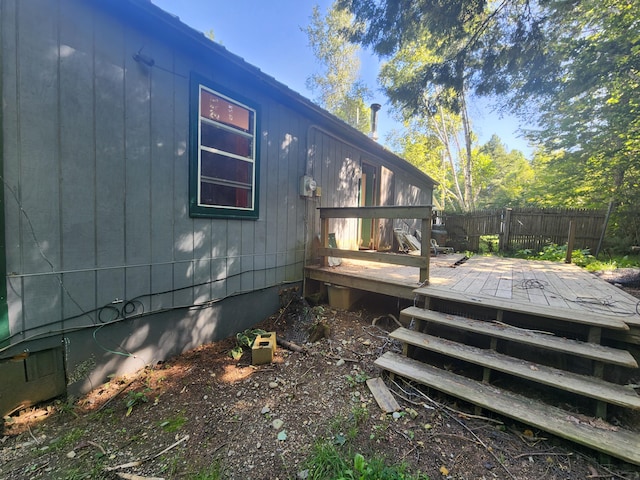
(204, 408)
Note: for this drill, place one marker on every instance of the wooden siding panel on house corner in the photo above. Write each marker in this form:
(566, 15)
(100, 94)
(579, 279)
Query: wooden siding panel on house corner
(11, 149)
(41, 302)
(77, 140)
(39, 139)
(109, 143)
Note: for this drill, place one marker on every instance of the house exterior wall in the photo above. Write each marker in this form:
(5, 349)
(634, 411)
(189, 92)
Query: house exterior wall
(95, 147)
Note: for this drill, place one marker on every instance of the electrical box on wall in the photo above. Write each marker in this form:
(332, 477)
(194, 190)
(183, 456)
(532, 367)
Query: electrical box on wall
(308, 186)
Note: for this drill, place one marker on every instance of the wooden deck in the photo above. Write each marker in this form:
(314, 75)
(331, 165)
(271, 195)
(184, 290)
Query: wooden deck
(550, 325)
(548, 286)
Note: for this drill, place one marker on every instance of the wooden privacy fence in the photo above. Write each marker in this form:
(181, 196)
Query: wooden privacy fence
(525, 228)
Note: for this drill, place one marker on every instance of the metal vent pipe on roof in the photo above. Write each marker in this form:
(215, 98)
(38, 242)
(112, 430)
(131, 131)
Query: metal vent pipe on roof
(375, 108)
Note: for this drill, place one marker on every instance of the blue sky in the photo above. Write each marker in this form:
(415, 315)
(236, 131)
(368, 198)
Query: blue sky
(267, 34)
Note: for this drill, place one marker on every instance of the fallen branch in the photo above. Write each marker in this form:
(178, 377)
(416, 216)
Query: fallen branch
(115, 396)
(137, 463)
(98, 446)
(131, 476)
(543, 454)
(291, 346)
(335, 357)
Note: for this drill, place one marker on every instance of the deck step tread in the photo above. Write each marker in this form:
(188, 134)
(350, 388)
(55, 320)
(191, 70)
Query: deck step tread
(594, 434)
(580, 317)
(587, 386)
(592, 351)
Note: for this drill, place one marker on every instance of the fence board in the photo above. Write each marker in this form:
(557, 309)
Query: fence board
(529, 228)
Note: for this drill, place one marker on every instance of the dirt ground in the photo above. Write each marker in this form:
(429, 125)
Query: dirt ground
(204, 408)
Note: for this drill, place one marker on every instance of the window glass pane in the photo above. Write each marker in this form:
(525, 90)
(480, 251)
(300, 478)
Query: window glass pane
(224, 168)
(221, 139)
(220, 110)
(226, 196)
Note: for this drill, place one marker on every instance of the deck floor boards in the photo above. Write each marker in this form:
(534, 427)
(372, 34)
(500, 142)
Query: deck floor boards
(539, 283)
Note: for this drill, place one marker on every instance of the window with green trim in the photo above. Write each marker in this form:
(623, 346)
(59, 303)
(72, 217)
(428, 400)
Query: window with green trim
(223, 155)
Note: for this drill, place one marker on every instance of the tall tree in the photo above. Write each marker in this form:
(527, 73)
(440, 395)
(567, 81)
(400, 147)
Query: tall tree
(576, 63)
(506, 176)
(451, 128)
(337, 85)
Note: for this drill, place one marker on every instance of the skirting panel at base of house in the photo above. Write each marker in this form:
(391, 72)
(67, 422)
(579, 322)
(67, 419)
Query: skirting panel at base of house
(92, 355)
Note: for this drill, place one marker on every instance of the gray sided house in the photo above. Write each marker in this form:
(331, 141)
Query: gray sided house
(157, 191)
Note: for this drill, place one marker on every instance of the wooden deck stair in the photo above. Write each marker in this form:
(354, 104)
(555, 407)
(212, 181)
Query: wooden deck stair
(430, 336)
(592, 351)
(617, 443)
(584, 385)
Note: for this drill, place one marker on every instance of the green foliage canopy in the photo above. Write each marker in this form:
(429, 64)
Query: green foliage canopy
(337, 84)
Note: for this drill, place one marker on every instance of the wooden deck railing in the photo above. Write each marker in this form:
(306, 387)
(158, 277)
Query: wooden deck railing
(422, 212)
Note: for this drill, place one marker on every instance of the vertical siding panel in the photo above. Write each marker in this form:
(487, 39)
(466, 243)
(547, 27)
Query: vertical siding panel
(77, 145)
(13, 218)
(138, 164)
(161, 286)
(234, 261)
(79, 297)
(183, 225)
(270, 185)
(109, 286)
(41, 302)
(295, 222)
(282, 157)
(247, 251)
(260, 239)
(109, 143)
(162, 155)
(38, 131)
(219, 258)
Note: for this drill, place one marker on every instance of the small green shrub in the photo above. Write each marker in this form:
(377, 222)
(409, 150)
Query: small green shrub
(135, 398)
(245, 339)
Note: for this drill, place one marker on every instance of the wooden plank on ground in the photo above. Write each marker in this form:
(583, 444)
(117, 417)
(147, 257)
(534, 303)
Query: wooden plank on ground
(594, 434)
(590, 351)
(583, 385)
(585, 318)
(381, 393)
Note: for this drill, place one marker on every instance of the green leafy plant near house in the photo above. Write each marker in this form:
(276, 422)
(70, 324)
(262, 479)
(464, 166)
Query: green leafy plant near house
(245, 339)
(135, 398)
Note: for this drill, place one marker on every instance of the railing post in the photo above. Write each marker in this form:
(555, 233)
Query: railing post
(503, 242)
(570, 241)
(324, 239)
(425, 247)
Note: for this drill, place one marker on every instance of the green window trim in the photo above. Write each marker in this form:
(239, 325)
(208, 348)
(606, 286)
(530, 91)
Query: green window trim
(224, 153)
